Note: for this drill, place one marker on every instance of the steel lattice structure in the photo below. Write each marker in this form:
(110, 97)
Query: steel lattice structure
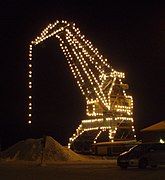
(108, 108)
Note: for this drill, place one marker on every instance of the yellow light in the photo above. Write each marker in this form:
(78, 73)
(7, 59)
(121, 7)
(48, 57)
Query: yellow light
(162, 141)
(88, 67)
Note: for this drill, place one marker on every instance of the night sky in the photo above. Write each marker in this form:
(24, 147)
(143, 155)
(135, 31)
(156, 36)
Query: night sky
(130, 35)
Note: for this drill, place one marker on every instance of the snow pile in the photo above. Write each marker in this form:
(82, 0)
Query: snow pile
(35, 150)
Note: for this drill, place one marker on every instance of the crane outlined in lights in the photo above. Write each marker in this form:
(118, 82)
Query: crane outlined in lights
(109, 110)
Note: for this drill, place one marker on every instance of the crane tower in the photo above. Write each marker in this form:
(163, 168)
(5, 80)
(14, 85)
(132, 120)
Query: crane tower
(109, 110)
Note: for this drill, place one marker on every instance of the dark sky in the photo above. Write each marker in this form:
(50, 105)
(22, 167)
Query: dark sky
(130, 34)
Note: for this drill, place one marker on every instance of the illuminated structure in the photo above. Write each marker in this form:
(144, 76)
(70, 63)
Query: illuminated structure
(108, 108)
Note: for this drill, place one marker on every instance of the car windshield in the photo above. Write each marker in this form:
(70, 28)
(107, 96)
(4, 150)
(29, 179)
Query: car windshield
(136, 148)
(143, 148)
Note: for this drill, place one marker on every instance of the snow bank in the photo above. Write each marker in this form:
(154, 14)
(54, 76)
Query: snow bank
(34, 150)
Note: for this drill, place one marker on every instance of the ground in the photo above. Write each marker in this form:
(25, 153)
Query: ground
(23, 160)
(80, 170)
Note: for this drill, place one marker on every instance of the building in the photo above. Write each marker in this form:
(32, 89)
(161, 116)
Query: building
(154, 133)
(112, 148)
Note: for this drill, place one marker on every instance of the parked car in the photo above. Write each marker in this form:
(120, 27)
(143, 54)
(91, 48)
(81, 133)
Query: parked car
(143, 155)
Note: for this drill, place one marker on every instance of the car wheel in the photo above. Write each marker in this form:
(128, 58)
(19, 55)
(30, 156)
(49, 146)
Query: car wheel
(143, 163)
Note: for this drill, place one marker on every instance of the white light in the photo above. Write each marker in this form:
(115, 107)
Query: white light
(29, 122)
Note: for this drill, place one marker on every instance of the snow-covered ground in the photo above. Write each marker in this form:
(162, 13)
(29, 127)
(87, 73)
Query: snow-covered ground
(24, 161)
(80, 170)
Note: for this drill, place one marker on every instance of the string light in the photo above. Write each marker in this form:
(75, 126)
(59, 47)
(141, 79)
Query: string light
(107, 103)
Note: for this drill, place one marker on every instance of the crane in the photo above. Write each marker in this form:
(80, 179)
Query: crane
(108, 107)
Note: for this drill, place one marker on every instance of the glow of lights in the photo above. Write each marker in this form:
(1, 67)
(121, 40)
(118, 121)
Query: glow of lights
(97, 80)
(162, 141)
(29, 122)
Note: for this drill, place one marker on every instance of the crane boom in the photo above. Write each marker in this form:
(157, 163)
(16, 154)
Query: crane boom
(101, 85)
